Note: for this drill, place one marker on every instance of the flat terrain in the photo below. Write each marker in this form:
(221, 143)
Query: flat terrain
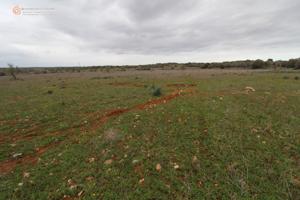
(212, 134)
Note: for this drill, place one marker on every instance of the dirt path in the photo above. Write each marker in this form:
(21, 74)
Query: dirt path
(9, 165)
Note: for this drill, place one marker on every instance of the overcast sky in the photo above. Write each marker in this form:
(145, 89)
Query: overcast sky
(118, 32)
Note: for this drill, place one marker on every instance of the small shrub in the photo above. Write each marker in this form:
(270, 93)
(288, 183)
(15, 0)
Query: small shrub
(156, 91)
(296, 78)
(49, 92)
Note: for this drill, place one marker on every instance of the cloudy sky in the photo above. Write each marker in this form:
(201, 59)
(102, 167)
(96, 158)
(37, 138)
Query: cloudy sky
(118, 32)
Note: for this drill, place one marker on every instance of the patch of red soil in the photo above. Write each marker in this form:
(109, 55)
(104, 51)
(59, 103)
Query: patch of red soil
(112, 113)
(147, 105)
(158, 101)
(24, 137)
(10, 165)
(34, 133)
(16, 98)
(9, 122)
(2, 139)
(23, 134)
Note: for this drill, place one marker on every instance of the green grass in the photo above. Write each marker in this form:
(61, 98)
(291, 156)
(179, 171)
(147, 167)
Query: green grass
(227, 144)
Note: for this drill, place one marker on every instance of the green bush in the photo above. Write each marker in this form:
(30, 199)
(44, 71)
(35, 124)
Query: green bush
(156, 91)
(258, 64)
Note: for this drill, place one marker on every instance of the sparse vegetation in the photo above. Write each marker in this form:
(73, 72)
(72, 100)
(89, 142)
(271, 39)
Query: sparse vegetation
(222, 137)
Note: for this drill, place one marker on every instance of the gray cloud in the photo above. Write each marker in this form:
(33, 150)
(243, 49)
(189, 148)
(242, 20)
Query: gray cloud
(133, 31)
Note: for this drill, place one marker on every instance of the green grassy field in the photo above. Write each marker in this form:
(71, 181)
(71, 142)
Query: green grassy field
(109, 138)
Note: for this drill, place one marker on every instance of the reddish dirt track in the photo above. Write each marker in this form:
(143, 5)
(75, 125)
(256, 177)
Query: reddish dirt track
(112, 113)
(143, 106)
(10, 165)
(158, 101)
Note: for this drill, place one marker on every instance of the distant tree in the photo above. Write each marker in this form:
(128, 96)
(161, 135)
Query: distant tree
(258, 64)
(270, 62)
(12, 71)
(297, 64)
(2, 74)
(206, 66)
(291, 63)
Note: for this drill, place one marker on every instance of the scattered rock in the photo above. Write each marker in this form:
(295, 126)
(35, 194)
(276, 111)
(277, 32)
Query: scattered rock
(26, 174)
(141, 181)
(90, 160)
(135, 161)
(66, 197)
(17, 155)
(195, 162)
(176, 166)
(20, 184)
(72, 184)
(200, 183)
(249, 89)
(108, 162)
(80, 193)
(195, 159)
(158, 167)
(254, 130)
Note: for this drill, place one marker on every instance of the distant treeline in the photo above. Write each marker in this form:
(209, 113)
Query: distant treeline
(244, 64)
